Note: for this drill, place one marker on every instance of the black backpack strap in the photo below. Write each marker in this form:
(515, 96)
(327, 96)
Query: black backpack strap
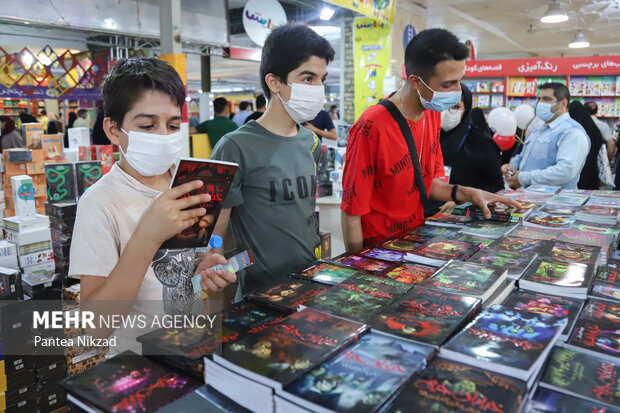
(415, 161)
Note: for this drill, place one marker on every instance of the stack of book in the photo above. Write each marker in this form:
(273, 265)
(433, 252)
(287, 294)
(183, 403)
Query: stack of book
(598, 214)
(325, 273)
(568, 279)
(543, 220)
(597, 331)
(286, 295)
(606, 285)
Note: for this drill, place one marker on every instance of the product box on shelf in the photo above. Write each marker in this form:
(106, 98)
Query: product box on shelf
(61, 237)
(52, 148)
(60, 182)
(86, 174)
(23, 196)
(33, 135)
(62, 210)
(38, 253)
(61, 250)
(17, 155)
(18, 224)
(9, 278)
(15, 168)
(8, 255)
(28, 237)
(79, 137)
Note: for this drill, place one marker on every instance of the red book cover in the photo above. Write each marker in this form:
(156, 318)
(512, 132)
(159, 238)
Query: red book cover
(106, 156)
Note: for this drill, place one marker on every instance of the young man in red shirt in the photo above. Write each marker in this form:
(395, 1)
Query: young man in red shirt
(380, 197)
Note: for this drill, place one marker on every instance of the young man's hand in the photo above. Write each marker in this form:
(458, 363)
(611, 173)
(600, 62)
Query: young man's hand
(166, 217)
(481, 199)
(513, 180)
(507, 169)
(212, 281)
(448, 206)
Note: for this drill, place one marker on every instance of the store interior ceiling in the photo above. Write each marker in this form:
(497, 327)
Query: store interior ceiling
(499, 29)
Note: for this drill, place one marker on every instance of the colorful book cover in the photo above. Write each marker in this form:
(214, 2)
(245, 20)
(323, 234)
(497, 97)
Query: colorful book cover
(326, 273)
(602, 211)
(403, 244)
(105, 153)
(602, 311)
(549, 401)
(588, 237)
(34, 135)
(52, 147)
(445, 249)
(245, 319)
(286, 295)
(559, 274)
(545, 220)
(360, 378)
(446, 386)
(515, 244)
(576, 86)
(559, 209)
(425, 315)
(593, 85)
(582, 375)
(596, 336)
(567, 200)
(129, 383)
(449, 220)
(86, 174)
(542, 189)
(60, 182)
(478, 242)
(506, 337)
(608, 86)
(382, 254)
(545, 304)
(513, 262)
(606, 284)
(217, 177)
(489, 229)
(288, 349)
(433, 230)
(359, 297)
(410, 273)
(497, 101)
(363, 263)
(535, 233)
(569, 252)
(464, 278)
(602, 229)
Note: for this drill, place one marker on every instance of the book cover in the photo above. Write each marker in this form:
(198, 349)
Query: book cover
(447, 386)
(286, 295)
(361, 377)
(217, 178)
(425, 315)
(491, 230)
(549, 401)
(359, 297)
(60, 182)
(245, 319)
(326, 273)
(569, 252)
(544, 220)
(559, 274)
(410, 273)
(582, 375)
(34, 134)
(513, 262)
(288, 349)
(602, 229)
(449, 220)
(516, 244)
(52, 147)
(363, 263)
(465, 278)
(606, 284)
(382, 254)
(105, 153)
(129, 383)
(597, 337)
(547, 305)
(404, 244)
(433, 230)
(514, 339)
(605, 312)
(542, 189)
(600, 211)
(588, 237)
(567, 200)
(445, 249)
(559, 209)
(86, 174)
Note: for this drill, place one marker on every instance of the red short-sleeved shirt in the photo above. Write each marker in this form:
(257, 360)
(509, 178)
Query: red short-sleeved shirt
(378, 178)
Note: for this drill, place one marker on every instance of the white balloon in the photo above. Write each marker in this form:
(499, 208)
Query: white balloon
(503, 121)
(524, 114)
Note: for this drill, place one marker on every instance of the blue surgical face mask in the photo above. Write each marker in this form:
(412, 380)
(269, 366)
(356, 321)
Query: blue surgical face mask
(441, 100)
(543, 111)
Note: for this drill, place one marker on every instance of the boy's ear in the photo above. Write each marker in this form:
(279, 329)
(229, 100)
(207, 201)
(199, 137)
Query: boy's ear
(112, 130)
(273, 83)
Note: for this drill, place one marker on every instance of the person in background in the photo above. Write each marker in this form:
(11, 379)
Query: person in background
(592, 108)
(43, 119)
(219, 126)
(333, 112)
(479, 121)
(70, 122)
(53, 125)
(26, 117)
(261, 102)
(9, 137)
(381, 195)
(244, 112)
(82, 119)
(556, 153)
(469, 150)
(589, 178)
(99, 136)
(323, 126)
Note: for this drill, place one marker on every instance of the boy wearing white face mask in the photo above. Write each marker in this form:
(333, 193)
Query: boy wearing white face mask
(124, 218)
(271, 203)
(394, 160)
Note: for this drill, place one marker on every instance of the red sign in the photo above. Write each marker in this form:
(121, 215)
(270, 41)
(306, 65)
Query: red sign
(245, 53)
(555, 66)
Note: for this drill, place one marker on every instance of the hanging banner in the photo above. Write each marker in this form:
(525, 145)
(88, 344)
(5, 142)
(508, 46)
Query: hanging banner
(555, 66)
(382, 10)
(43, 92)
(371, 58)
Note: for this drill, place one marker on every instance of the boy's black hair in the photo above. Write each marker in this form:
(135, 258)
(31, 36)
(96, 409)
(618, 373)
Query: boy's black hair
(430, 47)
(287, 47)
(260, 102)
(559, 91)
(129, 79)
(592, 107)
(219, 105)
(82, 112)
(243, 105)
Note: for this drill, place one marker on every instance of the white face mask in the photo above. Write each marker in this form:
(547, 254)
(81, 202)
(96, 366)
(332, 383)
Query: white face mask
(305, 103)
(151, 154)
(450, 119)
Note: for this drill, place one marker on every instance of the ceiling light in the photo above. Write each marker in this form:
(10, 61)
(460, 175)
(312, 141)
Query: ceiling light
(327, 13)
(27, 59)
(554, 14)
(579, 41)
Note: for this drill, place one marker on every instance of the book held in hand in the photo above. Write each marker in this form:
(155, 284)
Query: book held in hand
(570, 279)
(217, 176)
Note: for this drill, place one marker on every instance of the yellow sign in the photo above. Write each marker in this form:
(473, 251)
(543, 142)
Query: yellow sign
(371, 57)
(382, 10)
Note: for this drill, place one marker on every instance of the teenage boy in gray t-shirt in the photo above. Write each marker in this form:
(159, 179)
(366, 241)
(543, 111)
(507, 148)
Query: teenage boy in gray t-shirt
(271, 204)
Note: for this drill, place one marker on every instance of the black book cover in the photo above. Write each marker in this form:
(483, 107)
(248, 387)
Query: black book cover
(606, 284)
(559, 274)
(359, 297)
(60, 182)
(370, 265)
(325, 273)
(424, 315)
(445, 249)
(63, 210)
(569, 252)
(582, 375)
(129, 383)
(217, 177)
(453, 387)
(514, 262)
(522, 245)
(464, 278)
(286, 350)
(549, 401)
(86, 174)
(286, 295)
(598, 328)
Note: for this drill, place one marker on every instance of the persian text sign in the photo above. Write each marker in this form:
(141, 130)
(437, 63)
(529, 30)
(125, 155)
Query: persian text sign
(378, 10)
(588, 65)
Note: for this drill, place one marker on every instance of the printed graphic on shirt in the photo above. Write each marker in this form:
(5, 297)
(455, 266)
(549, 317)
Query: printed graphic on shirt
(289, 189)
(174, 270)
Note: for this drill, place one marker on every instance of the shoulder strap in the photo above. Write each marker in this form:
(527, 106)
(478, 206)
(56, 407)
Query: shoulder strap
(406, 132)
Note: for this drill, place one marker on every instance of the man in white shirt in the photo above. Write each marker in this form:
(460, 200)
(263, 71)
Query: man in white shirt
(82, 119)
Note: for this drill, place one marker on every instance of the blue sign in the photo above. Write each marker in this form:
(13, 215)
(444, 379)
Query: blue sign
(408, 34)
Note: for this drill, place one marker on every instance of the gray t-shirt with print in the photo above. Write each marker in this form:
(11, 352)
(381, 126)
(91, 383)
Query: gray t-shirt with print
(273, 198)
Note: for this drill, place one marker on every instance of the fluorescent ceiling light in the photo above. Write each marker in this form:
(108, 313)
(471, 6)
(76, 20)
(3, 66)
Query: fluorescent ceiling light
(579, 41)
(554, 14)
(327, 13)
